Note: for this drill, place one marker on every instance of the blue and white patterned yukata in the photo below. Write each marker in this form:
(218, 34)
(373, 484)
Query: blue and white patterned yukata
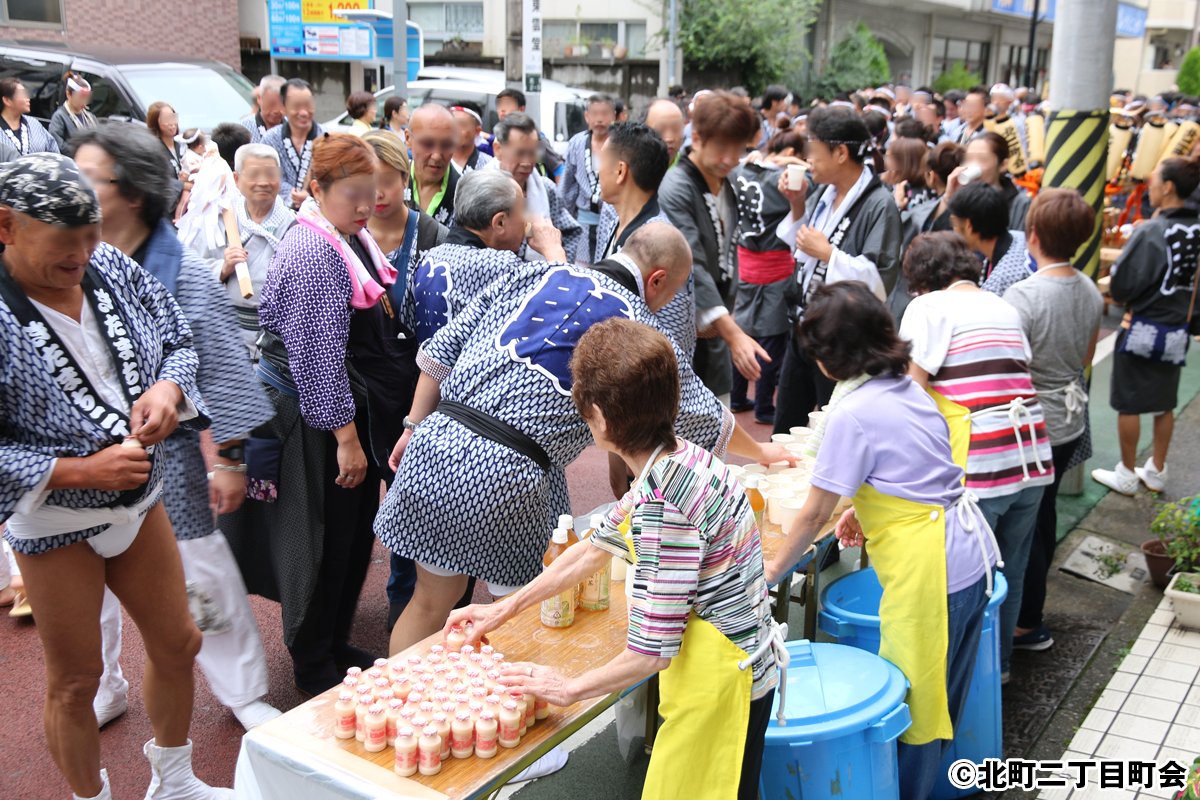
(293, 166)
(580, 190)
(41, 422)
(232, 392)
(466, 503)
(678, 317)
(448, 278)
(254, 123)
(30, 137)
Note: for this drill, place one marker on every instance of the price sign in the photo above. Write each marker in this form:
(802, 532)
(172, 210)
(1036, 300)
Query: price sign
(309, 29)
(531, 44)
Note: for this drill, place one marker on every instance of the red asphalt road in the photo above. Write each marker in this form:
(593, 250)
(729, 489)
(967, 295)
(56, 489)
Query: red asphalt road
(28, 773)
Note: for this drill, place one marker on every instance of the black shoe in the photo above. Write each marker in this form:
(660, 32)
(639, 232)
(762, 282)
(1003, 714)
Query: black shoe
(738, 408)
(765, 419)
(346, 656)
(1037, 639)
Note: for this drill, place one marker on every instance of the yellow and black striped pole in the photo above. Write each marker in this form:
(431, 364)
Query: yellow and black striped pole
(1076, 154)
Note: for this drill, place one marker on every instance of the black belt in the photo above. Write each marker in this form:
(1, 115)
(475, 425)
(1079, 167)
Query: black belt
(247, 318)
(497, 431)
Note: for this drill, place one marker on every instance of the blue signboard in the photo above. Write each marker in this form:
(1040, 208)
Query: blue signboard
(309, 29)
(1131, 20)
(415, 50)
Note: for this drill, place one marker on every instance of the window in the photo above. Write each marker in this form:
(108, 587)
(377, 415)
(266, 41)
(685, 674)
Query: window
(443, 21)
(106, 100)
(42, 79)
(1013, 61)
(203, 97)
(560, 34)
(973, 55)
(45, 12)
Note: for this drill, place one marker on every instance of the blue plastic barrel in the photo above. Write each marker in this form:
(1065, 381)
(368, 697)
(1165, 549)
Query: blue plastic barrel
(850, 612)
(845, 709)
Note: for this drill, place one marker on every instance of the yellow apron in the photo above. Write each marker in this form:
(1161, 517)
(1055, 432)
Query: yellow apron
(705, 701)
(906, 542)
(958, 418)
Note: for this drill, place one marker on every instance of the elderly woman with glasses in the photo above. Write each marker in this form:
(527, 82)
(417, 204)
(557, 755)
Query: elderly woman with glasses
(334, 366)
(262, 220)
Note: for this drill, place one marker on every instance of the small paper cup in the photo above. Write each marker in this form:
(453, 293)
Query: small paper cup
(777, 467)
(790, 509)
(815, 417)
(778, 479)
(800, 433)
(795, 177)
(795, 472)
(755, 469)
(774, 510)
(782, 438)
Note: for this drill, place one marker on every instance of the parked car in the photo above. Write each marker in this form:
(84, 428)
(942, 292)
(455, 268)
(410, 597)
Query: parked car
(125, 83)
(562, 106)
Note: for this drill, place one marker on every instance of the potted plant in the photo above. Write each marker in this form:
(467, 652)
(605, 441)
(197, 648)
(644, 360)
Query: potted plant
(620, 51)
(1184, 592)
(606, 47)
(1177, 527)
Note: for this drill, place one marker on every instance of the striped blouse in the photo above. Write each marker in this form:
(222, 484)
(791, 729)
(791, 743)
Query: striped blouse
(698, 549)
(975, 351)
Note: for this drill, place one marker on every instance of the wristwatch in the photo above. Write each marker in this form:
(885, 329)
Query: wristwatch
(235, 453)
(409, 425)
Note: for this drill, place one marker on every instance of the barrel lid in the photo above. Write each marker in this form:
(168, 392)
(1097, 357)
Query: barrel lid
(834, 690)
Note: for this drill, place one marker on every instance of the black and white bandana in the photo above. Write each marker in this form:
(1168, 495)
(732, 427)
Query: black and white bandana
(50, 188)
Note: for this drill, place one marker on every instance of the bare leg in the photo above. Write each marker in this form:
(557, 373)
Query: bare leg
(1164, 427)
(432, 600)
(148, 580)
(1129, 428)
(66, 586)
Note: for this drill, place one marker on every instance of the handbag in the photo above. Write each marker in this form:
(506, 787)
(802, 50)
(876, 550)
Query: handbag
(1154, 341)
(262, 468)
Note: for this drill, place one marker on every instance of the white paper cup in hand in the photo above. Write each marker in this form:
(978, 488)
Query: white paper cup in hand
(782, 438)
(971, 173)
(796, 173)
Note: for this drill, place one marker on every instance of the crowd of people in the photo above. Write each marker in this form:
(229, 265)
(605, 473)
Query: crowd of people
(447, 319)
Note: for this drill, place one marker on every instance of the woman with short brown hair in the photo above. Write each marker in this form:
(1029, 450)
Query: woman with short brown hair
(699, 604)
(1060, 310)
(340, 392)
(363, 109)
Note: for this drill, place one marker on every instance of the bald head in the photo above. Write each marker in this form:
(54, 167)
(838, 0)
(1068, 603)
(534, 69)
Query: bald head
(432, 136)
(431, 116)
(664, 258)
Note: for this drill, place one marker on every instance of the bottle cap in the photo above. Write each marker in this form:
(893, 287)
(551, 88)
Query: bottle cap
(354, 671)
(419, 687)
(429, 731)
(349, 681)
(462, 698)
(566, 521)
(466, 650)
(454, 657)
(375, 673)
(382, 683)
(408, 713)
(463, 716)
(426, 707)
(751, 481)
(405, 733)
(476, 707)
(473, 673)
(381, 663)
(439, 717)
(436, 650)
(456, 629)
(597, 521)
(375, 709)
(386, 695)
(435, 659)
(421, 722)
(479, 692)
(489, 716)
(487, 650)
(477, 682)
(516, 694)
(395, 705)
(497, 658)
(414, 697)
(345, 697)
(440, 697)
(449, 707)
(476, 658)
(365, 699)
(493, 699)
(458, 688)
(494, 674)
(440, 686)
(559, 536)
(510, 705)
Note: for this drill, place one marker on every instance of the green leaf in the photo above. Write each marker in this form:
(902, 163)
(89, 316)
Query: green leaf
(1188, 79)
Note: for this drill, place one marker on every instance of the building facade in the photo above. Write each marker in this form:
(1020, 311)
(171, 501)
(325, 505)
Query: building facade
(1150, 64)
(199, 30)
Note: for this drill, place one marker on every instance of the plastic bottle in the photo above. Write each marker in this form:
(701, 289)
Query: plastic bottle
(360, 716)
(350, 683)
(449, 709)
(522, 709)
(382, 665)
(387, 696)
(407, 715)
(487, 650)
(493, 704)
(455, 639)
(462, 735)
(381, 685)
(373, 675)
(455, 658)
(475, 709)
(397, 671)
(465, 650)
(413, 701)
(557, 611)
(436, 650)
(376, 726)
(442, 723)
(485, 735)
(393, 720)
(429, 748)
(596, 589)
(492, 681)
(345, 718)
(406, 752)
(426, 709)
(530, 710)
(510, 724)
(567, 523)
(414, 663)
(131, 441)
(419, 687)
(403, 686)
(758, 503)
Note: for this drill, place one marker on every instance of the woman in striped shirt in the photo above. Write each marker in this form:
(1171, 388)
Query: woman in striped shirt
(698, 577)
(969, 350)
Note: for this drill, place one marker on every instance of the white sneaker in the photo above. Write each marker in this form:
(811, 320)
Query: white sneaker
(109, 706)
(172, 777)
(105, 791)
(255, 713)
(1155, 479)
(1122, 479)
